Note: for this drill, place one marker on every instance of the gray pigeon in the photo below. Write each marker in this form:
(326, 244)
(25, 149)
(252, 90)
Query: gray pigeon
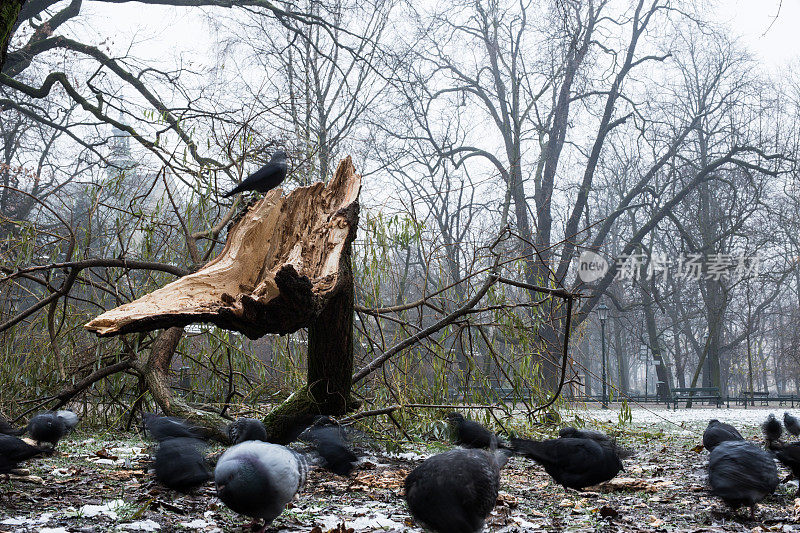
(47, 427)
(791, 423)
(168, 427)
(181, 465)
(69, 417)
(598, 436)
(772, 430)
(718, 432)
(573, 463)
(267, 178)
(244, 429)
(257, 479)
(741, 474)
(454, 491)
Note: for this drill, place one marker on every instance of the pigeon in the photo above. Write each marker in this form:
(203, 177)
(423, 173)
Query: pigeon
(454, 491)
(789, 456)
(258, 479)
(741, 473)
(573, 463)
(267, 178)
(599, 436)
(718, 432)
(772, 430)
(791, 423)
(330, 443)
(167, 427)
(47, 427)
(180, 464)
(14, 450)
(7, 429)
(69, 417)
(244, 429)
(469, 433)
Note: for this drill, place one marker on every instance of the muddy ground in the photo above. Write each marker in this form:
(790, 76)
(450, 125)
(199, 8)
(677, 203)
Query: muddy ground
(101, 483)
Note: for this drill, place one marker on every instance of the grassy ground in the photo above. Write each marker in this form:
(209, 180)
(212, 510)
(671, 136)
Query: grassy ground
(101, 483)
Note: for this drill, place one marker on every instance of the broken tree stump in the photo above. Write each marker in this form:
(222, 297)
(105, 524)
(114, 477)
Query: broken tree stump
(285, 266)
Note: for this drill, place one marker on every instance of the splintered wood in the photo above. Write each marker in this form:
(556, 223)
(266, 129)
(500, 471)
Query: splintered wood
(279, 267)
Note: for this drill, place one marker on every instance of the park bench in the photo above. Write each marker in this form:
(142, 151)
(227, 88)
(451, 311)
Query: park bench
(752, 396)
(696, 393)
(785, 399)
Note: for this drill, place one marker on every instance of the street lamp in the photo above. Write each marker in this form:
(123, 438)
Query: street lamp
(602, 313)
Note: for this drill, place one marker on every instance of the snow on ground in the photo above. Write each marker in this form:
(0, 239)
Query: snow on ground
(102, 484)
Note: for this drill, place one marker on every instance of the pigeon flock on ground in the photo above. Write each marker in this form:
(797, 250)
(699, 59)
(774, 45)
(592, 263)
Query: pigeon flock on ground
(450, 492)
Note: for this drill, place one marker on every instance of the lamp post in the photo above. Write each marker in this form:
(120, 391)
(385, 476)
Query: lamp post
(602, 313)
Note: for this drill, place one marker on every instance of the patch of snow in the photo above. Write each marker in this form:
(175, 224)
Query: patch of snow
(375, 521)
(197, 523)
(141, 525)
(21, 520)
(108, 509)
(52, 530)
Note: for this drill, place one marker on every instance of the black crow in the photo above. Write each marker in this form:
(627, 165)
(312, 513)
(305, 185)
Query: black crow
(244, 429)
(13, 451)
(573, 463)
(469, 433)
(718, 432)
(180, 463)
(267, 178)
(599, 436)
(257, 479)
(7, 429)
(772, 430)
(741, 474)
(168, 427)
(47, 427)
(454, 491)
(791, 423)
(331, 444)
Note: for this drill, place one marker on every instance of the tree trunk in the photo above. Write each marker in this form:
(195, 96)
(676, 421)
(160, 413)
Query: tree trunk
(285, 265)
(9, 11)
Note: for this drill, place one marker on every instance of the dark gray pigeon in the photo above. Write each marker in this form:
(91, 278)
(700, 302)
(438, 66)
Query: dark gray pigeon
(244, 429)
(454, 491)
(180, 464)
(598, 436)
(7, 429)
(47, 427)
(718, 432)
(470, 434)
(13, 451)
(331, 444)
(257, 479)
(741, 474)
(69, 417)
(772, 430)
(169, 427)
(573, 463)
(267, 178)
(791, 423)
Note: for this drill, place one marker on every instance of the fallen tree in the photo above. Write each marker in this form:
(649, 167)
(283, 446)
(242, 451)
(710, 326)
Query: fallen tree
(285, 266)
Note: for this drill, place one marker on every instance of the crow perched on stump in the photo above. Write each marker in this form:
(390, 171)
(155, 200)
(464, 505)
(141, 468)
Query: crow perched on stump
(267, 178)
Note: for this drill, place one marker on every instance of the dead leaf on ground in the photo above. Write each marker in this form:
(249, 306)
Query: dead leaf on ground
(636, 485)
(105, 454)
